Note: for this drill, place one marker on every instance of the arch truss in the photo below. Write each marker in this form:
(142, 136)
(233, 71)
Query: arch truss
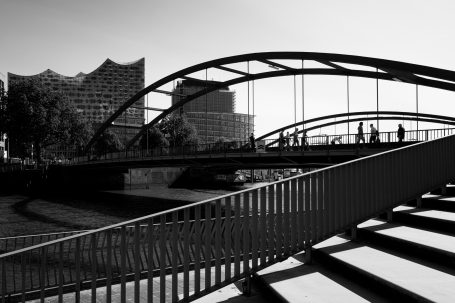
(279, 64)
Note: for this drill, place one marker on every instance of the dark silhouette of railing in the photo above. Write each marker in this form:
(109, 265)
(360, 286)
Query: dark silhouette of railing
(231, 236)
(244, 146)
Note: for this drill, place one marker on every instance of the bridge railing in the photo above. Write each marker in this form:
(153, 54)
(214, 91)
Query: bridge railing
(271, 145)
(208, 244)
(384, 137)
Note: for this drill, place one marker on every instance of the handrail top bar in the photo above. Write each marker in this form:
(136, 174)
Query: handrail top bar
(163, 213)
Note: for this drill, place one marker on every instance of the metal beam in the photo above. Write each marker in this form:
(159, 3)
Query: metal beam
(202, 82)
(149, 108)
(331, 64)
(401, 76)
(167, 93)
(276, 64)
(227, 69)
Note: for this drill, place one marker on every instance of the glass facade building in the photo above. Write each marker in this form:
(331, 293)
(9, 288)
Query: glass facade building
(214, 114)
(97, 95)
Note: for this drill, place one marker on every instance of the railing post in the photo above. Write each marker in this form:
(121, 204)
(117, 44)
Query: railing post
(389, 215)
(137, 269)
(307, 256)
(353, 232)
(3, 283)
(419, 202)
(246, 286)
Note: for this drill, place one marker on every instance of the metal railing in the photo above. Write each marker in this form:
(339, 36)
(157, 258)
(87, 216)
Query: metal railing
(245, 231)
(244, 146)
(8, 244)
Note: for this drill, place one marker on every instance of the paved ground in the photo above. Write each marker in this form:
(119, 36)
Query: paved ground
(22, 215)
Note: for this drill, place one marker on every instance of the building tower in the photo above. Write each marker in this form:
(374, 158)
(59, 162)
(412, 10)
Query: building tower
(213, 115)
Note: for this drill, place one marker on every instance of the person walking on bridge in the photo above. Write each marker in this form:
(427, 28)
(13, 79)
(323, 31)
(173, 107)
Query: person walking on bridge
(400, 133)
(295, 137)
(305, 144)
(281, 141)
(288, 141)
(360, 135)
(373, 133)
(252, 143)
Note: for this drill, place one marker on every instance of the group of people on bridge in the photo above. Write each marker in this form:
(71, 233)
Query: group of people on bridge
(284, 141)
(374, 134)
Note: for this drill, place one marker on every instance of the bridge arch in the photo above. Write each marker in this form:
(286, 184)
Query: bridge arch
(362, 116)
(386, 70)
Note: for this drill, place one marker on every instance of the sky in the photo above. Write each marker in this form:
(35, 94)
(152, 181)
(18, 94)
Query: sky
(70, 36)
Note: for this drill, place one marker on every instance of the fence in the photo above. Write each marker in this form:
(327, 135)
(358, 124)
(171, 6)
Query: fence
(249, 230)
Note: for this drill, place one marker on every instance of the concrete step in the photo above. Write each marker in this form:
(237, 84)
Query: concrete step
(449, 190)
(407, 278)
(294, 281)
(426, 218)
(438, 202)
(435, 247)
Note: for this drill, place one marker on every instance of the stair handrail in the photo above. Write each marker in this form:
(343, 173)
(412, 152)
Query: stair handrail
(227, 238)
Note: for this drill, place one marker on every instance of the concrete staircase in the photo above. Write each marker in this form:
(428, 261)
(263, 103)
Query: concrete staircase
(409, 259)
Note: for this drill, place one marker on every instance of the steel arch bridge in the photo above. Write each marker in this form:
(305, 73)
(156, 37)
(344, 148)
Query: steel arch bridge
(332, 65)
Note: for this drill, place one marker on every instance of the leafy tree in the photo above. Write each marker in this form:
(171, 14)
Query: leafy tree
(180, 132)
(155, 139)
(108, 142)
(33, 114)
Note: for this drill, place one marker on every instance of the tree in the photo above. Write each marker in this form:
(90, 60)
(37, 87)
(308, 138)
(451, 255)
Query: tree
(180, 132)
(155, 139)
(35, 115)
(108, 142)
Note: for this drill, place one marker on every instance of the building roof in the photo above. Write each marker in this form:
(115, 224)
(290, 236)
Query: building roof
(80, 74)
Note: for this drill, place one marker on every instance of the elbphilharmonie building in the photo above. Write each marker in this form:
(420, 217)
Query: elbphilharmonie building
(98, 94)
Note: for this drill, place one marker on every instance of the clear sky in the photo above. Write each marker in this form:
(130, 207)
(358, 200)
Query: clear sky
(70, 36)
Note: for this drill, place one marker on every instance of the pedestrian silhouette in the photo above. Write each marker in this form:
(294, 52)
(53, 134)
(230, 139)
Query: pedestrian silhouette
(295, 136)
(305, 144)
(400, 133)
(281, 141)
(288, 141)
(360, 135)
(373, 134)
(252, 143)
